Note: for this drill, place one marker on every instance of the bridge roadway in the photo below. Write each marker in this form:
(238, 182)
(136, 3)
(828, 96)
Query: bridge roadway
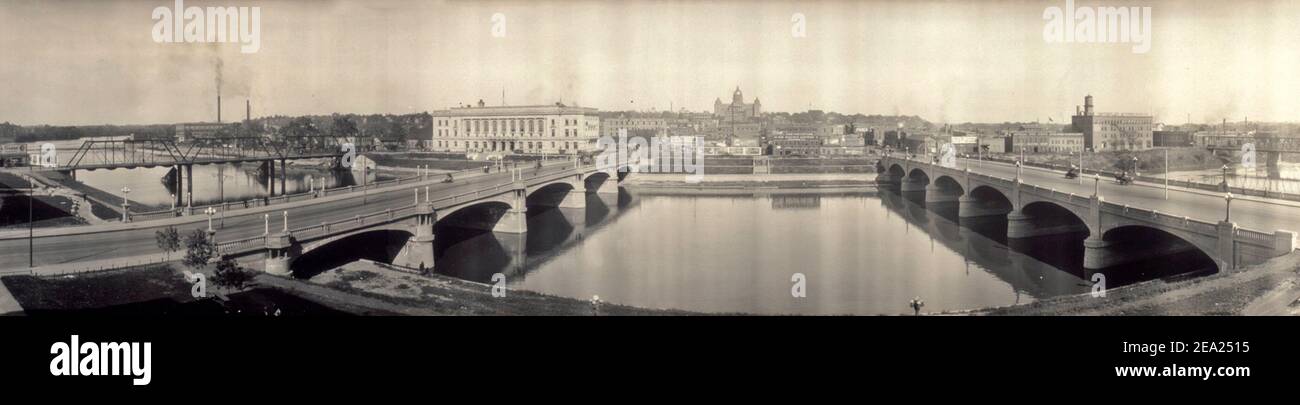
(54, 246)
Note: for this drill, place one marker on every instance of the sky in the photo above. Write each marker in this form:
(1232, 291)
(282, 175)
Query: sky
(96, 62)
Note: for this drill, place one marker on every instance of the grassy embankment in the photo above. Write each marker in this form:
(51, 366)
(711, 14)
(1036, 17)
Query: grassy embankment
(48, 211)
(1149, 161)
(444, 295)
(149, 290)
(162, 290)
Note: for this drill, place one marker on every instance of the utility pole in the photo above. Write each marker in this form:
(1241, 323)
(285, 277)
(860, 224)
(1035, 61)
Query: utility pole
(31, 200)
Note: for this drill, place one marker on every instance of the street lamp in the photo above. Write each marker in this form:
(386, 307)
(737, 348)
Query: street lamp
(1227, 207)
(126, 205)
(1225, 178)
(916, 305)
(211, 212)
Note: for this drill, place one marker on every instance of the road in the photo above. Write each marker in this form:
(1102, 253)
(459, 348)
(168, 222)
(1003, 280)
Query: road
(1256, 213)
(97, 242)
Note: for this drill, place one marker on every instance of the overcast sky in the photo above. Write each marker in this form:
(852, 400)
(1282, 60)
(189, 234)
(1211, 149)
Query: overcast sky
(92, 62)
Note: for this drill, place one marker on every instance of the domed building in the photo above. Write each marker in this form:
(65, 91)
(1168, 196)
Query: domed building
(738, 110)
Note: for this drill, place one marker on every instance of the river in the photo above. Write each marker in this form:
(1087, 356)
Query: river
(860, 252)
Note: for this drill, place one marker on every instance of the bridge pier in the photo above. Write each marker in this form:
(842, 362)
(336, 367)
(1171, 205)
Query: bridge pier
(284, 175)
(610, 185)
(574, 199)
(515, 221)
(912, 185)
(883, 177)
(1020, 225)
(178, 181)
(1227, 245)
(280, 252)
(189, 188)
(935, 193)
(968, 207)
(419, 249)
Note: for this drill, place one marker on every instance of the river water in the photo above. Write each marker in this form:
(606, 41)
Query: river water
(861, 252)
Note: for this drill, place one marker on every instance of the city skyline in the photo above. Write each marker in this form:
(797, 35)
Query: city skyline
(962, 62)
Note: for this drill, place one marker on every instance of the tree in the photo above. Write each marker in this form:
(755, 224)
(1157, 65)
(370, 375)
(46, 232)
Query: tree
(198, 249)
(229, 274)
(169, 240)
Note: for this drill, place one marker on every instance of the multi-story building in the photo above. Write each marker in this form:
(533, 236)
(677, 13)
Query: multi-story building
(610, 126)
(1171, 139)
(1112, 131)
(535, 129)
(191, 130)
(1034, 138)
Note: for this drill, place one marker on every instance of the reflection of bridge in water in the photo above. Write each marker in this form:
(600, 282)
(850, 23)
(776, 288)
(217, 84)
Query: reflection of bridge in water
(976, 243)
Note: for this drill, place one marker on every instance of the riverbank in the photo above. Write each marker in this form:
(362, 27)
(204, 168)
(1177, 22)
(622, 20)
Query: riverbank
(1269, 288)
(435, 294)
(355, 289)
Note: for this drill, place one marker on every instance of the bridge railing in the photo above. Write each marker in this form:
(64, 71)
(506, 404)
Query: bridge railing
(1254, 237)
(242, 245)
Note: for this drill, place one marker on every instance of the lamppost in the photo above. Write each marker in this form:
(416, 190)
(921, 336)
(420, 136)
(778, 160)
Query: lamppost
(1227, 207)
(1225, 178)
(126, 205)
(173, 201)
(211, 212)
(1166, 173)
(916, 305)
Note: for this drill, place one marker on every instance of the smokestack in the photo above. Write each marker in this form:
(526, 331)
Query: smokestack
(248, 110)
(218, 106)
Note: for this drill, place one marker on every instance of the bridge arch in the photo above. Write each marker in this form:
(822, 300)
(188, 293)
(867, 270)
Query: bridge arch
(550, 195)
(949, 185)
(1042, 217)
(482, 215)
(918, 175)
(897, 171)
(601, 182)
(1127, 243)
(984, 201)
(382, 244)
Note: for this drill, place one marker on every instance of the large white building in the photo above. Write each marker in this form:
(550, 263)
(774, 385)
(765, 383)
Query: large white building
(536, 129)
